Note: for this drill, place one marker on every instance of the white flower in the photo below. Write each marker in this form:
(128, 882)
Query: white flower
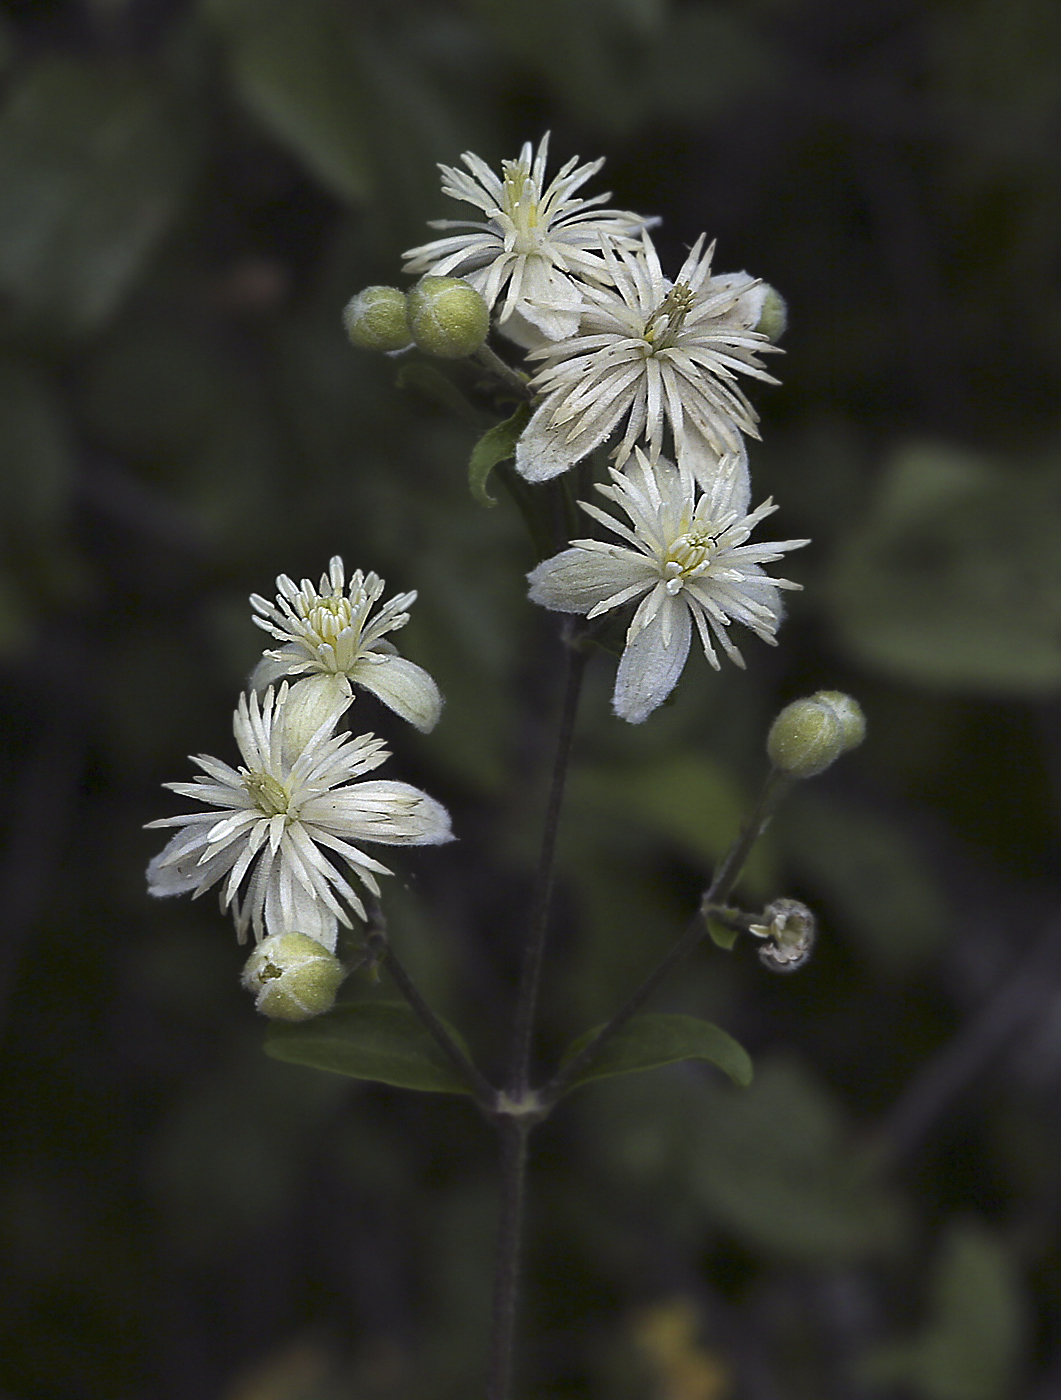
(272, 820)
(686, 558)
(330, 636)
(650, 353)
(538, 241)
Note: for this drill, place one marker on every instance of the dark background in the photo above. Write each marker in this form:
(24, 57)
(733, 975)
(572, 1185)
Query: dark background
(188, 196)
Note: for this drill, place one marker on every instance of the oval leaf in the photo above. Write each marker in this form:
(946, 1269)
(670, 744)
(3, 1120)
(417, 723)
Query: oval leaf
(297, 67)
(377, 1040)
(94, 160)
(648, 1041)
(497, 444)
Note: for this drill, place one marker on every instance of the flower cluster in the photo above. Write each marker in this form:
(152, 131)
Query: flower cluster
(283, 834)
(623, 358)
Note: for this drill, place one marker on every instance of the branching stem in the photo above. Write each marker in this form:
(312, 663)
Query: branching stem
(714, 898)
(510, 378)
(484, 1092)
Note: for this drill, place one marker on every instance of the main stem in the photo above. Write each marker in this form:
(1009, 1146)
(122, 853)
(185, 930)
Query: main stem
(518, 1111)
(530, 978)
(514, 1133)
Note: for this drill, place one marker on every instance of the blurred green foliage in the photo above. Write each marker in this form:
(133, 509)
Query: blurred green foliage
(189, 193)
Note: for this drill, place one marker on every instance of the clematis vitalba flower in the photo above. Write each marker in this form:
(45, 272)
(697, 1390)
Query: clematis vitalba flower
(332, 638)
(537, 244)
(279, 830)
(650, 354)
(685, 558)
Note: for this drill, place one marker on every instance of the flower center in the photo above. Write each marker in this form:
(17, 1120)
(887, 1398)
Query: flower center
(662, 327)
(269, 795)
(521, 205)
(329, 617)
(688, 557)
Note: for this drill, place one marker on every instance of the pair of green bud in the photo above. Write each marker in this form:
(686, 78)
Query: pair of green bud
(443, 316)
(810, 734)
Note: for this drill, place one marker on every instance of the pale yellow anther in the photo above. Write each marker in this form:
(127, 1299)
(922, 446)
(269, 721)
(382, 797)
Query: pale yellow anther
(669, 317)
(268, 793)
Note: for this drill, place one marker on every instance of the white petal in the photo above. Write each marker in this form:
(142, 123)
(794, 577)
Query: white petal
(578, 580)
(555, 323)
(311, 917)
(395, 814)
(311, 703)
(725, 478)
(544, 450)
(522, 333)
(268, 671)
(540, 452)
(403, 686)
(650, 667)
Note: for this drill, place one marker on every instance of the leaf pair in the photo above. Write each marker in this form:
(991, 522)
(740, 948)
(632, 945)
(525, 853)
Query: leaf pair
(384, 1042)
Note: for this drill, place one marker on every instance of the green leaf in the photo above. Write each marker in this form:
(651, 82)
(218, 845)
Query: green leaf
(94, 158)
(721, 935)
(297, 68)
(497, 444)
(779, 1167)
(377, 1040)
(971, 1346)
(655, 1039)
(954, 578)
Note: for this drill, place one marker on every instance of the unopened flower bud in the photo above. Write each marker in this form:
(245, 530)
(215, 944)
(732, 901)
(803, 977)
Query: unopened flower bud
(378, 319)
(292, 977)
(448, 317)
(790, 930)
(848, 712)
(809, 735)
(773, 318)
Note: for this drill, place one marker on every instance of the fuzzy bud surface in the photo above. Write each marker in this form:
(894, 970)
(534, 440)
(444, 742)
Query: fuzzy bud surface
(809, 735)
(292, 977)
(448, 317)
(378, 319)
(773, 318)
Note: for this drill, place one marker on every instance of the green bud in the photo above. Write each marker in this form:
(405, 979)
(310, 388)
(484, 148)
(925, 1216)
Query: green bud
(848, 712)
(809, 735)
(378, 319)
(773, 318)
(292, 977)
(448, 317)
